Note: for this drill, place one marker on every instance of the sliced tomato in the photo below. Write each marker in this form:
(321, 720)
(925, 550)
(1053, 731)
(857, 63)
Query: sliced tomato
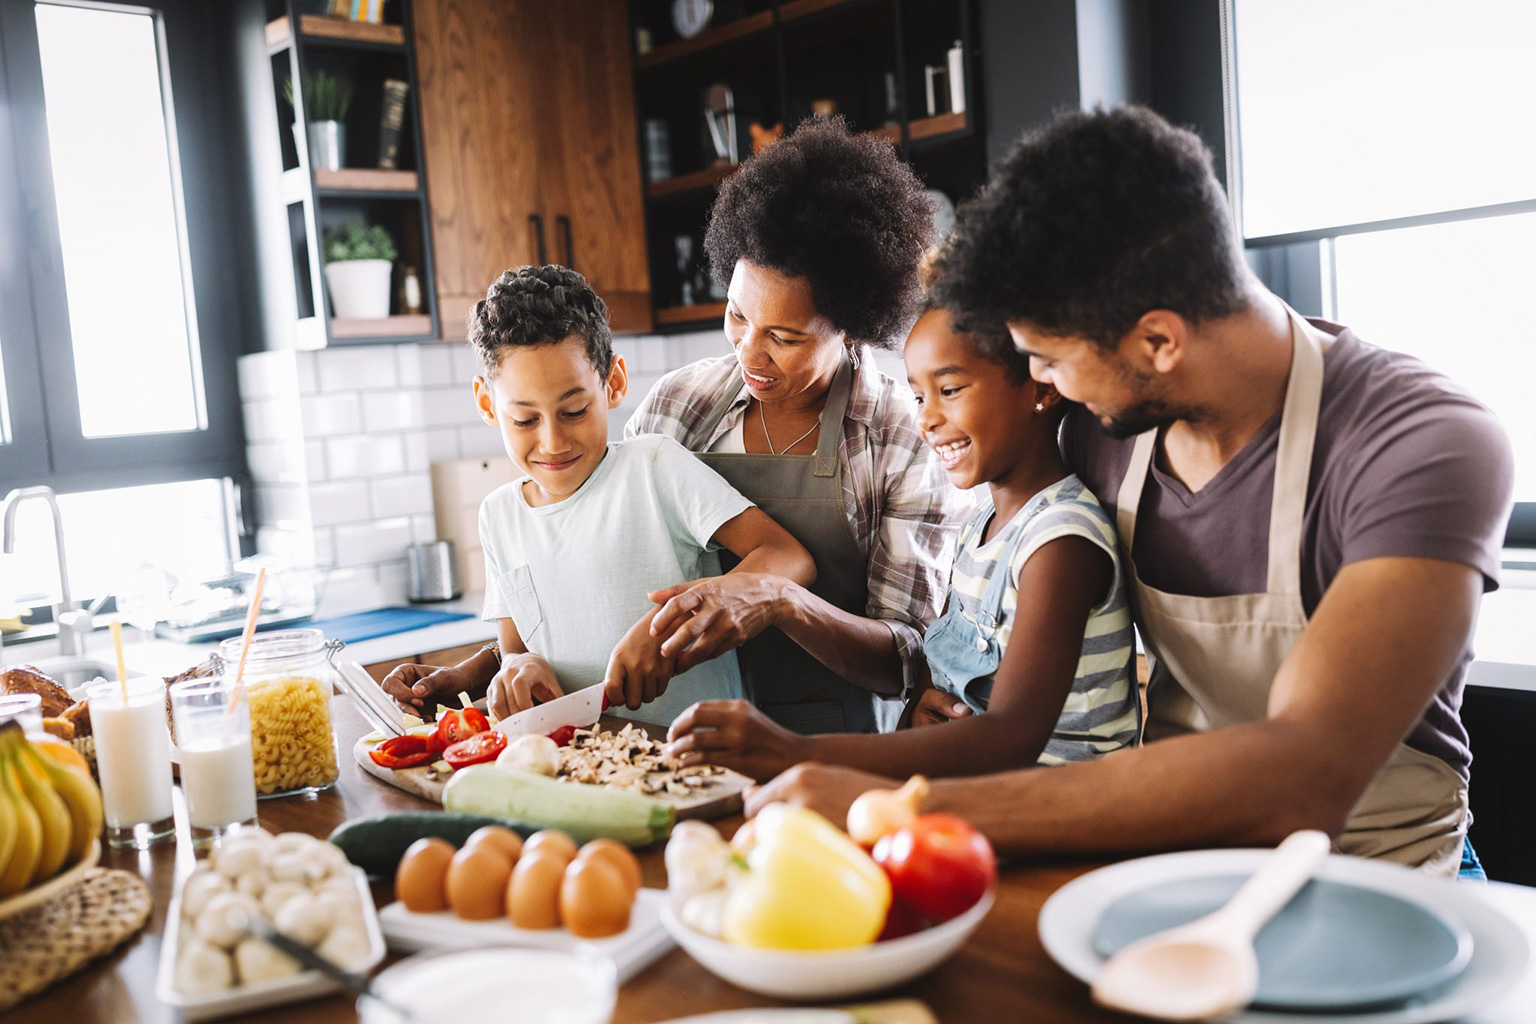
(460, 724)
(479, 748)
(563, 735)
(403, 752)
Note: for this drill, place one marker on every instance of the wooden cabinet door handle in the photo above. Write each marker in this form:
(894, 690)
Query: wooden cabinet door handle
(538, 237)
(564, 224)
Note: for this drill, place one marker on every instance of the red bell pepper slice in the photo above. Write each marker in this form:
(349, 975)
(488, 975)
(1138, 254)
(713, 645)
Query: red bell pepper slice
(403, 752)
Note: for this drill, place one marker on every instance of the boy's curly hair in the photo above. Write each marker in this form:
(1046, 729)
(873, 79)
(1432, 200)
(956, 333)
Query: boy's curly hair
(1090, 222)
(840, 210)
(540, 306)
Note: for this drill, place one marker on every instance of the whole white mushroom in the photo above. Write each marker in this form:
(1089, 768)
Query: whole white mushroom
(252, 883)
(303, 921)
(226, 918)
(258, 960)
(346, 947)
(200, 885)
(201, 969)
(242, 853)
(278, 894)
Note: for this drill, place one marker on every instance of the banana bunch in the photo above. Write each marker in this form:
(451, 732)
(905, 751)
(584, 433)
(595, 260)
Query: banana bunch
(50, 814)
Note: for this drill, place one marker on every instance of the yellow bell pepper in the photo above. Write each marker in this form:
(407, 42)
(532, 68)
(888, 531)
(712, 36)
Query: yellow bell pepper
(808, 886)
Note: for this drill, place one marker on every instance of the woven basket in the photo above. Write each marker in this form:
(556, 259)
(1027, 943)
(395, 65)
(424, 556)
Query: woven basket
(55, 939)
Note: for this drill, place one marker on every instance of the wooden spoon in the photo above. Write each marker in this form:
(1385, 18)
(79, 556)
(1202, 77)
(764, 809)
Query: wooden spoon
(1207, 969)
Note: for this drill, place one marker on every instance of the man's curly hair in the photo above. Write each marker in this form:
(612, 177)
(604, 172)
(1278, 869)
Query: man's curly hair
(840, 210)
(1090, 222)
(540, 306)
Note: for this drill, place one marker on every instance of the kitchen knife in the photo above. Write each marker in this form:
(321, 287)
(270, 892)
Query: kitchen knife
(580, 709)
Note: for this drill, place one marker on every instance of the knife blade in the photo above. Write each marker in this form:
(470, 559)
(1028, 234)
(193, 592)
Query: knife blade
(580, 709)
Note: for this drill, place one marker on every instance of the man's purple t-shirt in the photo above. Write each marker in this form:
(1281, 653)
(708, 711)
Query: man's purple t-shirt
(1406, 463)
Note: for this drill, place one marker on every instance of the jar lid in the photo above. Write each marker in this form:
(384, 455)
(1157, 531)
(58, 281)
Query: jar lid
(267, 647)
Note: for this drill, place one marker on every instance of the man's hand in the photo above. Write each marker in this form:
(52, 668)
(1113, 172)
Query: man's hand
(736, 735)
(524, 680)
(705, 618)
(638, 671)
(935, 706)
(420, 688)
(826, 789)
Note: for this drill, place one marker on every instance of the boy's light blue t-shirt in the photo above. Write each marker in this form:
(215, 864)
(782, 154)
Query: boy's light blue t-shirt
(573, 575)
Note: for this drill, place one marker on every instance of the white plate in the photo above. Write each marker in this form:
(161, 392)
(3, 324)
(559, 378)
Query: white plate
(1500, 952)
(244, 998)
(29, 898)
(632, 950)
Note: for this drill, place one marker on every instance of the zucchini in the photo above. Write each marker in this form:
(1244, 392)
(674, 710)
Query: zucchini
(376, 844)
(581, 811)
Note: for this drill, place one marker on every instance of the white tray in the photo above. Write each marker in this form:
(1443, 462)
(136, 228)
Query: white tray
(632, 950)
(244, 998)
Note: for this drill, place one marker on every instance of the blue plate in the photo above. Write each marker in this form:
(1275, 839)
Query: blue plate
(1334, 947)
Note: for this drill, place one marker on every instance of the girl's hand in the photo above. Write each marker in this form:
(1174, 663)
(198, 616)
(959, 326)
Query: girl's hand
(704, 619)
(524, 680)
(935, 706)
(419, 688)
(736, 735)
(638, 671)
(829, 790)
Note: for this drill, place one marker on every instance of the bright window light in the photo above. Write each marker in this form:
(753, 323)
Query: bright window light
(1359, 111)
(116, 191)
(1454, 295)
(5, 411)
(183, 528)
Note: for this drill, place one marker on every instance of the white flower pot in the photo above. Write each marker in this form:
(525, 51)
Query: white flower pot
(359, 288)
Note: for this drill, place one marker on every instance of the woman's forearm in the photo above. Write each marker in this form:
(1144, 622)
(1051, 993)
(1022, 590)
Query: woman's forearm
(859, 649)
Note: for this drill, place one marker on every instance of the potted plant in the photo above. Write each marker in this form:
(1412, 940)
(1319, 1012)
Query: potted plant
(326, 101)
(358, 259)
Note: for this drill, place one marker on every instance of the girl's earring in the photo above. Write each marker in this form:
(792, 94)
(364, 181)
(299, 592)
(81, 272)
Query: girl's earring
(1039, 407)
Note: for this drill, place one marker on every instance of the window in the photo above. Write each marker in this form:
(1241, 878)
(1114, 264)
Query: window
(117, 371)
(1384, 180)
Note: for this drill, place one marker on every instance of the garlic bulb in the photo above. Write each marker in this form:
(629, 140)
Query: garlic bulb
(882, 811)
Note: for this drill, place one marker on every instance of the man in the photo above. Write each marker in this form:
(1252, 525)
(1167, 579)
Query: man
(1310, 520)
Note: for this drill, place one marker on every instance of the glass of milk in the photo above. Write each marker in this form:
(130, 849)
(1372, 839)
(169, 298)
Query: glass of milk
(213, 740)
(133, 757)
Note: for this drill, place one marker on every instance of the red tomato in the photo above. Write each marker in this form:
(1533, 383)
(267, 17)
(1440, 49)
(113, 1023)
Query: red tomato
(939, 866)
(403, 752)
(479, 748)
(901, 920)
(563, 735)
(460, 724)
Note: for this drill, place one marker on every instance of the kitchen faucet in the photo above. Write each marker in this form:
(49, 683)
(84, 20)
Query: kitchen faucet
(74, 623)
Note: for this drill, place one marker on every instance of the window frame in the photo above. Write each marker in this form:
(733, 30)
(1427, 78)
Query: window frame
(48, 444)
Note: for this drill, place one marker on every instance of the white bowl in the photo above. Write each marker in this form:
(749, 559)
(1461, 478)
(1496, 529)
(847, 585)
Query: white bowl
(497, 983)
(832, 973)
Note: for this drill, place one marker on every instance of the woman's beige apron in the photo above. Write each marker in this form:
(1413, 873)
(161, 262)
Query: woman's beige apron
(804, 494)
(1214, 659)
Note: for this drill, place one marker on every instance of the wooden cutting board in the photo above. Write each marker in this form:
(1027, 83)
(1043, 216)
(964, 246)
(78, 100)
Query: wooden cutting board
(721, 799)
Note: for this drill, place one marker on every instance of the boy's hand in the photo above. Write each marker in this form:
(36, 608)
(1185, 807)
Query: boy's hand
(638, 672)
(420, 688)
(524, 680)
(935, 706)
(736, 735)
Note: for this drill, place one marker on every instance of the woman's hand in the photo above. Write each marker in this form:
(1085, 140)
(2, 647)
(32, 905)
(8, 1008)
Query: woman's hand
(638, 671)
(935, 706)
(704, 619)
(736, 735)
(829, 790)
(419, 688)
(524, 680)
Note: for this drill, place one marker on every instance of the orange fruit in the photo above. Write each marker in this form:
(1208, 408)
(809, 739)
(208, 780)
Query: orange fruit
(62, 753)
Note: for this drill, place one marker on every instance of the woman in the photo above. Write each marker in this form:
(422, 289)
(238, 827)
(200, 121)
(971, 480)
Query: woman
(817, 240)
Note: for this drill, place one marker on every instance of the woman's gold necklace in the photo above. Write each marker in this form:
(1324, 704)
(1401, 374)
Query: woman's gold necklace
(764, 421)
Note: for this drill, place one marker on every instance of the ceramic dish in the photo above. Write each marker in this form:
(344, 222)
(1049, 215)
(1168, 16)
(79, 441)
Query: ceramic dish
(29, 898)
(1500, 953)
(498, 984)
(828, 974)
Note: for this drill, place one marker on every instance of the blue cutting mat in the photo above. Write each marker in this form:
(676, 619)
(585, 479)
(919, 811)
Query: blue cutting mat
(371, 625)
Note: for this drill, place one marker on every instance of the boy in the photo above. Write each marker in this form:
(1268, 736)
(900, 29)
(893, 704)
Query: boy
(573, 546)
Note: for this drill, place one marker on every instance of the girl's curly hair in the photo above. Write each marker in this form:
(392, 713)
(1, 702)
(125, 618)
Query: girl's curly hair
(540, 306)
(838, 209)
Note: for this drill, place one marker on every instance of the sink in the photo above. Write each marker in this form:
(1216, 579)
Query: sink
(72, 673)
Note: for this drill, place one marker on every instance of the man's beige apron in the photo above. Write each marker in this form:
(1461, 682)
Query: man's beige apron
(1214, 659)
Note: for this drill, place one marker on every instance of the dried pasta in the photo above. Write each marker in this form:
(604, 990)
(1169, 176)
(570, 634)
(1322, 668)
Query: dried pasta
(292, 745)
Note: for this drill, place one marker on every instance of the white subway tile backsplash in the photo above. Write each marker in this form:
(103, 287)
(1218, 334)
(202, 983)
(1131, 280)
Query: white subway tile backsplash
(393, 579)
(392, 410)
(425, 365)
(265, 374)
(315, 467)
(282, 505)
(465, 363)
(441, 407)
(370, 455)
(416, 458)
(344, 501)
(276, 463)
(648, 354)
(442, 444)
(297, 545)
(364, 368)
(372, 543)
(307, 372)
(424, 527)
(401, 495)
(325, 545)
(262, 422)
(480, 442)
(329, 415)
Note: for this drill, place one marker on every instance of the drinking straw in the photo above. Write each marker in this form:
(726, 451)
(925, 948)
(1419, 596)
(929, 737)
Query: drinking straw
(245, 643)
(122, 666)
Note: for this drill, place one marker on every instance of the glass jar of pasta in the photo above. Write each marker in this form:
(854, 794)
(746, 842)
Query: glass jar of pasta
(289, 680)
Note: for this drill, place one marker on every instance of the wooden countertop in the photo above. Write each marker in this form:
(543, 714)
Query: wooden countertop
(1001, 974)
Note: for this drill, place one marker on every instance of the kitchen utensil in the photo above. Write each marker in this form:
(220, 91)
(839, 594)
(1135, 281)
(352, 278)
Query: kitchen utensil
(1208, 968)
(833, 973)
(580, 709)
(357, 984)
(370, 700)
(1500, 949)
(433, 572)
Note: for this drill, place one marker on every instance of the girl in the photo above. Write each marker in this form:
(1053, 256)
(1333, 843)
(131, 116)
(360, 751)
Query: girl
(1037, 561)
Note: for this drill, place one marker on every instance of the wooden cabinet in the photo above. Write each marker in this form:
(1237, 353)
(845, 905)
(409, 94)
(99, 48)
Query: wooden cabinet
(529, 134)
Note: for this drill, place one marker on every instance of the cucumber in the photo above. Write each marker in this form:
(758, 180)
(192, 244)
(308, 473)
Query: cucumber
(581, 811)
(376, 844)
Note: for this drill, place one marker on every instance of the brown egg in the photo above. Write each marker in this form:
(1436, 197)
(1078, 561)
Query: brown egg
(476, 881)
(549, 839)
(617, 854)
(533, 894)
(497, 838)
(420, 879)
(595, 899)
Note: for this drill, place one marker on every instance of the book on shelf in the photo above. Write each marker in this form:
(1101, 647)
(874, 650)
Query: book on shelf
(391, 119)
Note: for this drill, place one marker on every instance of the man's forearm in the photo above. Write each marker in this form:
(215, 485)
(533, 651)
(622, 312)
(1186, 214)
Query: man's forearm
(860, 649)
(970, 746)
